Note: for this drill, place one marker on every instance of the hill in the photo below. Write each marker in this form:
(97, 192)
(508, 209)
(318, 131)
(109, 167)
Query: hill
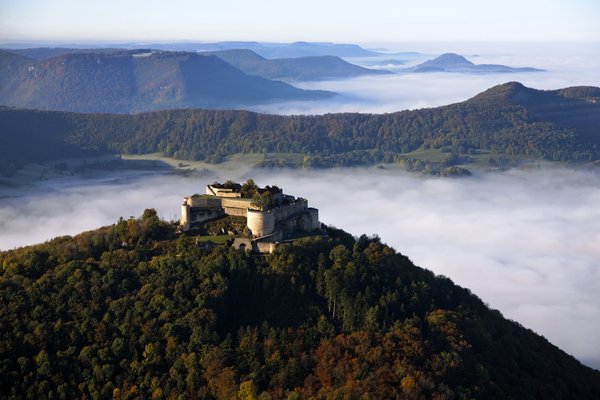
(265, 49)
(508, 119)
(43, 53)
(134, 310)
(294, 69)
(273, 50)
(450, 62)
(126, 81)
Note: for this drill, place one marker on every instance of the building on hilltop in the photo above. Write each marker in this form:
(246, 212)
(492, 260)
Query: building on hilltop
(271, 216)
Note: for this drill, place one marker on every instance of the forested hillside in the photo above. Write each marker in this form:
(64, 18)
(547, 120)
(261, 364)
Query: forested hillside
(133, 310)
(133, 81)
(451, 62)
(506, 119)
(300, 68)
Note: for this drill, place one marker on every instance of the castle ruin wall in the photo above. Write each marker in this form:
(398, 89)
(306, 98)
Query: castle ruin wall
(260, 223)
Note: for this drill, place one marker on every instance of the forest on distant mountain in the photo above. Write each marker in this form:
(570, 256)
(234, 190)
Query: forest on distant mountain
(119, 81)
(264, 49)
(559, 125)
(135, 310)
(294, 69)
(275, 50)
(451, 62)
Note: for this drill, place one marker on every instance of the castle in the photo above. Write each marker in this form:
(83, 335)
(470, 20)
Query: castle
(271, 216)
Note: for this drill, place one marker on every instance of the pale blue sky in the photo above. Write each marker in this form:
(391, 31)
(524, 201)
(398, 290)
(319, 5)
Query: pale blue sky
(311, 20)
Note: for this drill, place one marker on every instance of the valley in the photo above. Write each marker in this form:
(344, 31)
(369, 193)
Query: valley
(96, 197)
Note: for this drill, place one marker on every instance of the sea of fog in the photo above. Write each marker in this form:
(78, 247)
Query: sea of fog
(564, 65)
(526, 242)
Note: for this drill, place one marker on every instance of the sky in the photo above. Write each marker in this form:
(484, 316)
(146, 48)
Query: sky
(311, 20)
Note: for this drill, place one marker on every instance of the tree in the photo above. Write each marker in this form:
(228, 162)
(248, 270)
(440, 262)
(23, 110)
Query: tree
(248, 391)
(262, 201)
(150, 223)
(249, 189)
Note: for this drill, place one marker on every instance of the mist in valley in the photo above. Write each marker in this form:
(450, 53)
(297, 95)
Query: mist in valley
(526, 242)
(564, 65)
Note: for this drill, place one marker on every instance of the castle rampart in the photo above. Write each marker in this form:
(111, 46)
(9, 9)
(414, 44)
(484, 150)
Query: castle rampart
(284, 215)
(292, 208)
(261, 223)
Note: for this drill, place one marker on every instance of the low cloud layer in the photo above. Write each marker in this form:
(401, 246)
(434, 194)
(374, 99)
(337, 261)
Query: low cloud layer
(564, 65)
(527, 243)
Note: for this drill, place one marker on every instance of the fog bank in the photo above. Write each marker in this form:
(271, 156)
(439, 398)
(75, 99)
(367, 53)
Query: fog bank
(565, 65)
(527, 243)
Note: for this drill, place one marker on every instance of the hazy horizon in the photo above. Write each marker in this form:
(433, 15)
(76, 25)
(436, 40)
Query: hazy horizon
(564, 65)
(266, 20)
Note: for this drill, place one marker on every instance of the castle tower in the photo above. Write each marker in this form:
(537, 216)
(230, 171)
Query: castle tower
(185, 216)
(260, 223)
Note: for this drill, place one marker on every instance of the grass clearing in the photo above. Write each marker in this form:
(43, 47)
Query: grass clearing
(480, 160)
(235, 162)
(296, 158)
(431, 155)
(219, 239)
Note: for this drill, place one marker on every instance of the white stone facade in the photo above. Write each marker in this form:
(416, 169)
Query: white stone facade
(288, 216)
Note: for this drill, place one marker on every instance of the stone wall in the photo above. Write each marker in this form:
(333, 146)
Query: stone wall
(197, 216)
(260, 223)
(266, 247)
(289, 218)
(256, 246)
(305, 221)
(221, 192)
(313, 223)
(235, 207)
(185, 216)
(203, 201)
(244, 244)
(235, 203)
(284, 212)
(191, 216)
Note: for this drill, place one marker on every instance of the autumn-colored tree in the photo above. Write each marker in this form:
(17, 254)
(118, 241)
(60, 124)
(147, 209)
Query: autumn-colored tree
(333, 317)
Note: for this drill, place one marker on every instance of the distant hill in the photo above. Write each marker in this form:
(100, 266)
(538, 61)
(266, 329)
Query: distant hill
(265, 49)
(451, 62)
(273, 50)
(294, 69)
(135, 310)
(508, 119)
(392, 62)
(576, 108)
(43, 53)
(126, 81)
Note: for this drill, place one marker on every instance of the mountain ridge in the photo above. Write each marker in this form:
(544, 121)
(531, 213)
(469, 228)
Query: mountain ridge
(282, 50)
(508, 119)
(294, 69)
(126, 81)
(452, 62)
(265, 49)
(136, 309)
